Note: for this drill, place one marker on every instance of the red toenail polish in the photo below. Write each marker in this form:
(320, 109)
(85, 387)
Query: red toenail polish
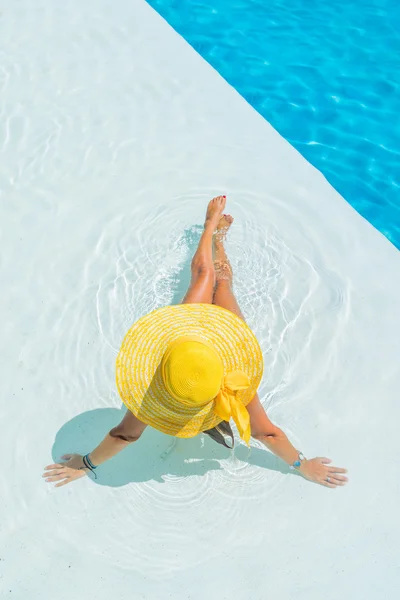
(224, 196)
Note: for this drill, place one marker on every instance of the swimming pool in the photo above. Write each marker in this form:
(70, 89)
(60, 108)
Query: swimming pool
(324, 75)
(114, 135)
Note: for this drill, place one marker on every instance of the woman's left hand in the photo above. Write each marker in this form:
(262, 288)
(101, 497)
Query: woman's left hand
(318, 470)
(66, 472)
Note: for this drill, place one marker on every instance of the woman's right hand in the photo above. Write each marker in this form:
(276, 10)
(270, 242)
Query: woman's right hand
(319, 470)
(73, 468)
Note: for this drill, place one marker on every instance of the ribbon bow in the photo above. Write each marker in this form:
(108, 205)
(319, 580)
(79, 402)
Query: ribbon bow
(227, 405)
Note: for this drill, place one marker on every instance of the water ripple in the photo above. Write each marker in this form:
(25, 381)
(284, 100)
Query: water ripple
(286, 299)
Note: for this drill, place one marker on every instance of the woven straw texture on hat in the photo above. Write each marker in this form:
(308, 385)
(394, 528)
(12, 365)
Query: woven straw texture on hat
(138, 374)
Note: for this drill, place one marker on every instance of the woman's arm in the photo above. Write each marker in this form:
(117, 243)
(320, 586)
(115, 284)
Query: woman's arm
(317, 469)
(128, 431)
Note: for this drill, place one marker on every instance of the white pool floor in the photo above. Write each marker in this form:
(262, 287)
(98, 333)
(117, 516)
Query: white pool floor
(114, 134)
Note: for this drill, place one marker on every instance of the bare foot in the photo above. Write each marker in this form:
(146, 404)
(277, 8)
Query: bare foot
(214, 211)
(223, 225)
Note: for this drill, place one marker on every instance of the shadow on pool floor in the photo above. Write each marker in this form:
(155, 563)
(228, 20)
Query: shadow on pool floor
(154, 455)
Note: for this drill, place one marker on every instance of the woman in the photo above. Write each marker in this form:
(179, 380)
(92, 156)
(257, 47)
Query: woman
(188, 369)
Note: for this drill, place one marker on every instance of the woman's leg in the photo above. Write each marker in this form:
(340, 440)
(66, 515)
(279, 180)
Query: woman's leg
(201, 290)
(261, 426)
(223, 293)
(203, 277)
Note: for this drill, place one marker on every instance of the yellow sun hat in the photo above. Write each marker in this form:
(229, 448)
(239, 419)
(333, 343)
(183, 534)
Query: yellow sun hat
(183, 369)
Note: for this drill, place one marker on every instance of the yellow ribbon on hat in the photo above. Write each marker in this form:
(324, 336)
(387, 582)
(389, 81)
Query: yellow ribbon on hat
(227, 405)
(192, 373)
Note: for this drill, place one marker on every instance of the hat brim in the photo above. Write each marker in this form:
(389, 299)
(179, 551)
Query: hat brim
(138, 372)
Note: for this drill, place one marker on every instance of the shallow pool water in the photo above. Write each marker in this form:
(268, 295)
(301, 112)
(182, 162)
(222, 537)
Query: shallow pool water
(114, 134)
(324, 74)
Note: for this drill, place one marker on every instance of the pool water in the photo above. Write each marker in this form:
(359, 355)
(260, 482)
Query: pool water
(325, 75)
(114, 135)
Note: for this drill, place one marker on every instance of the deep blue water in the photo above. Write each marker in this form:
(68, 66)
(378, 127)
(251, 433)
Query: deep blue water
(326, 75)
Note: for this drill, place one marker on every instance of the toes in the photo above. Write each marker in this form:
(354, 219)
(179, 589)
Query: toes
(216, 205)
(225, 221)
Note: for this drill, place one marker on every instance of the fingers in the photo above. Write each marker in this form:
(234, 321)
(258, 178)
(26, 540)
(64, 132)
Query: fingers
(53, 472)
(63, 482)
(339, 478)
(333, 481)
(58, 465)
(328, 484)
(56, 477)
(338, 481)
(321, 471)
(334, 474)
(60, 476)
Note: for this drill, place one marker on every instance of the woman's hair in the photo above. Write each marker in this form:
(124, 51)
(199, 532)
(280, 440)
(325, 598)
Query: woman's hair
(219, 432)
